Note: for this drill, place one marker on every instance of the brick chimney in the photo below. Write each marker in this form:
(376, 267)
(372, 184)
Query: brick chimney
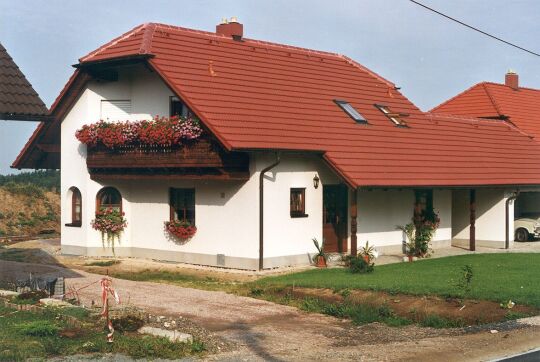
(511, 79)
(231, 28)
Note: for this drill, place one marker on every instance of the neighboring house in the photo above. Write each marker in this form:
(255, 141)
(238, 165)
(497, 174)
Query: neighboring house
(18, 100)
(511, 103)
(300, 144)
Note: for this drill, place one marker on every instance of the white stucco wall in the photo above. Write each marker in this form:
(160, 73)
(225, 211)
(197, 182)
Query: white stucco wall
(442, 203)
(490, 217)
(283, 234)
(460, 214)
(379, 212)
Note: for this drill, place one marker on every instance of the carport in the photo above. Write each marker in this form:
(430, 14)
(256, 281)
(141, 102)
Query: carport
(479, 217)
(526, 212)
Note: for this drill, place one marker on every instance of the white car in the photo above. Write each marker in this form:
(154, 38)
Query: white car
(527, 227)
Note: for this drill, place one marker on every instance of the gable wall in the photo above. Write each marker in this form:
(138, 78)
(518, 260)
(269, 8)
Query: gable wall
(226, 211)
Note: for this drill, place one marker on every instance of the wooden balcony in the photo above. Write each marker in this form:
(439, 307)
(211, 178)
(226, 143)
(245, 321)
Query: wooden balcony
(200, 159)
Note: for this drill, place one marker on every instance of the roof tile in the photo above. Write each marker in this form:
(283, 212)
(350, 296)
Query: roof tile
(261, 95)
(18, 100)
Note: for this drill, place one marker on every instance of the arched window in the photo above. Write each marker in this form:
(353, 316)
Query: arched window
(76, 207)
(109, 197)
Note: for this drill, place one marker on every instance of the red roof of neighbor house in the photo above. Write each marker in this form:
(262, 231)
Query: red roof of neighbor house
(260, 95)
(18, 100)
(521, 106)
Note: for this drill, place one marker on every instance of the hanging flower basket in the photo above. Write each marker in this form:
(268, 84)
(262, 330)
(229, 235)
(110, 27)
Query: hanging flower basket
(183, 229)
(110, 223)
(160, 131)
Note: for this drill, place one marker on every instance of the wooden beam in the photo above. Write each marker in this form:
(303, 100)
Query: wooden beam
(25, 117)
(354, 222)
(472, 218)
(238, 176)
(49, 147)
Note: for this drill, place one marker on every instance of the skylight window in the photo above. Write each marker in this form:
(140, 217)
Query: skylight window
(394, 117)
(351, 111)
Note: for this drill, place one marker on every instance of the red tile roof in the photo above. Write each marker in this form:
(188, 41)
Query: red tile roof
(260, 95)
(521, 106)
(18, 100)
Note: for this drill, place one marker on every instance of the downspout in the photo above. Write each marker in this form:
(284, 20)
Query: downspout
(261, 210)
(507, 221)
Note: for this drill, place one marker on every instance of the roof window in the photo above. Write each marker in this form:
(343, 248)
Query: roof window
(394, 117)
(351, 111)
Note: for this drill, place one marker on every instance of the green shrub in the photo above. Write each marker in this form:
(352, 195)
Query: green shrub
(127, 323)
(515, 315)
(104, 263)
(357, 264)
(31, 297)
(45, 179)
(38, 329)
(256, 292)
(30, 190)
(435, 321)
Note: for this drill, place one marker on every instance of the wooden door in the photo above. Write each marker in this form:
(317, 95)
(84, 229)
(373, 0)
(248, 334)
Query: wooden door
(335, 218)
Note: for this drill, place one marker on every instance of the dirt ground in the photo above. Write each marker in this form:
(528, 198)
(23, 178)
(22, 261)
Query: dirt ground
(272, 332)
(470, 312)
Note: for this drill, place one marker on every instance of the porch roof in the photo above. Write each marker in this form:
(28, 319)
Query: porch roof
(255, 95)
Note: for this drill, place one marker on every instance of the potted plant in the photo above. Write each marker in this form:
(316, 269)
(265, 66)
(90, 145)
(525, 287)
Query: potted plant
(368, 252)
(410, 250)
(182, 229)
(109, 222)
(320, 257)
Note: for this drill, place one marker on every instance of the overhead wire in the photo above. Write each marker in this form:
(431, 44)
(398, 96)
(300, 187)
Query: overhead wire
(474, 28)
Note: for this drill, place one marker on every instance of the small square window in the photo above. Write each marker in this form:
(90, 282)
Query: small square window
(178, 108)
(182, 205)
(298, 202)
(351, 111)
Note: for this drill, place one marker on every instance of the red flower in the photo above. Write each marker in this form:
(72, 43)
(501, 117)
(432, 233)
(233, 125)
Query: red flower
(160, 131)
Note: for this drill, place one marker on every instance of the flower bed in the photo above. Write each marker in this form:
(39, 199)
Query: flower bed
(109, 222)
(160, 131)
(183, 230)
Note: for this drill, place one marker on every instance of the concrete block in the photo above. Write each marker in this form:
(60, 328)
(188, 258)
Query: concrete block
(55, 302)
(8, 293)
(173, 336)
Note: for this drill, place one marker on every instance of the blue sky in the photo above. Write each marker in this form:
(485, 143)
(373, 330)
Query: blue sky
(428, 56)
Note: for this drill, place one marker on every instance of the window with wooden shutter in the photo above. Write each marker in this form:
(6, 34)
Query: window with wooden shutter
(182, 205)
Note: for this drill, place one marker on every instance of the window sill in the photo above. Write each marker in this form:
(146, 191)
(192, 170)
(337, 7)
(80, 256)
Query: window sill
(299, 215)
(74, 225)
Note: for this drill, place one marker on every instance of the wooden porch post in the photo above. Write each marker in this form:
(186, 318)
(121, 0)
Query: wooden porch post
(472, 229)
(354, 223)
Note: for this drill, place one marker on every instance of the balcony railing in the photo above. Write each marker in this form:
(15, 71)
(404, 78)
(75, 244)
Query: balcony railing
(201, 157)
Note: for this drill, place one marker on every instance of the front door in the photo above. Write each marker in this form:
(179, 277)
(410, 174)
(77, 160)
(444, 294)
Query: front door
(335, 218)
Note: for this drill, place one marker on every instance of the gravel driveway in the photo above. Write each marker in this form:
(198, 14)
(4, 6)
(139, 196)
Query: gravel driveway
(272, 332)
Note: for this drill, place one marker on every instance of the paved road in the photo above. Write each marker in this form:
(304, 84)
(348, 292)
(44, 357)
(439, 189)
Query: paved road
(533, 356)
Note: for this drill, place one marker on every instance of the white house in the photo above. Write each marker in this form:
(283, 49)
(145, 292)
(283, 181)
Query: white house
(297, 144)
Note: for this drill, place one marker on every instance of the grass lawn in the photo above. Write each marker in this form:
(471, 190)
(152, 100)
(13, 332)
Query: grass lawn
(496, 277)
(43, 334)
